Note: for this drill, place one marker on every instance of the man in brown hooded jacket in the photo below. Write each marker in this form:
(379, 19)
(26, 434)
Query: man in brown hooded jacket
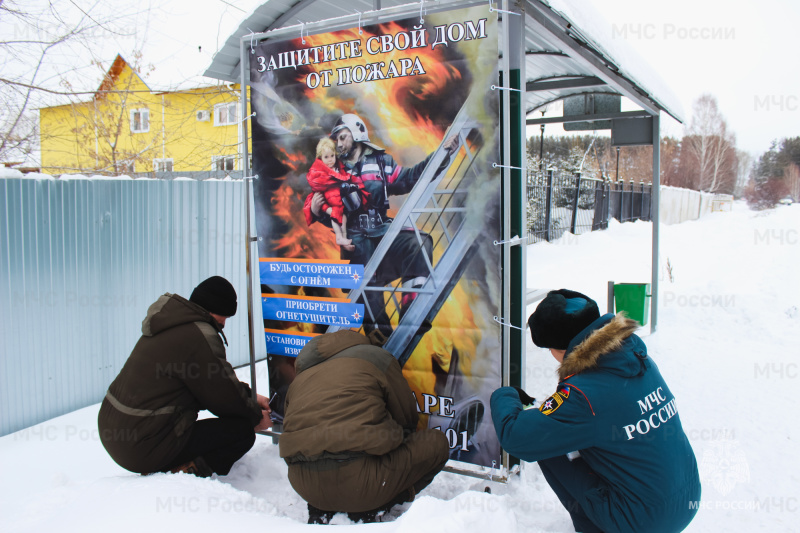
(148, 419)
(349, 434)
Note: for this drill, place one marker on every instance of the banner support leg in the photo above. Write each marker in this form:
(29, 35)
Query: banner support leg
(243, 83)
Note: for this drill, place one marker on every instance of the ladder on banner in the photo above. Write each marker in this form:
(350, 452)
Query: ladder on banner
(438, 204)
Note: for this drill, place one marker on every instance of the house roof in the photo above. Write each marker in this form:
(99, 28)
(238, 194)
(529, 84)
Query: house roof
(569, 48)
(115, 70)
(112, 75)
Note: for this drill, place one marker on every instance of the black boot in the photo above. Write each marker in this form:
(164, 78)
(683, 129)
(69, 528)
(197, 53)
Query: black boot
(318, 516)
(369, 517)
(197, 467)
(366, 517)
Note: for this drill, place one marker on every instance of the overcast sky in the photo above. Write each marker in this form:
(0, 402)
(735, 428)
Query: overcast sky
(744, 53)
(753, 70)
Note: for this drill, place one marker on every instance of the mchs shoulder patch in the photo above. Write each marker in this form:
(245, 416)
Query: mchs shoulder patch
(555, 401)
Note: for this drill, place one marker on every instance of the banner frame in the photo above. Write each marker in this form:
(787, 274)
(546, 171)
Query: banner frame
(250, 240)
(383, 15)
(512, 269)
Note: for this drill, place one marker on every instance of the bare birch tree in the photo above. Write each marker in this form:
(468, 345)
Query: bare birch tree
(712, 145)
(744, 169)
(40, 43)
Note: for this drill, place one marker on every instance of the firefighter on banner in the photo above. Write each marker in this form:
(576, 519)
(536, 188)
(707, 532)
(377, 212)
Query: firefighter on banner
(382, 177)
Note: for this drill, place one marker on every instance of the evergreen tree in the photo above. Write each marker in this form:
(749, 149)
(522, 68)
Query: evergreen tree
(774, 174)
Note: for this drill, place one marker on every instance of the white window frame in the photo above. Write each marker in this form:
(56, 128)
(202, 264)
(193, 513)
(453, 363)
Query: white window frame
(127, 167)
(144, 124)
(233, 159)
(168, 162)
(226, 114)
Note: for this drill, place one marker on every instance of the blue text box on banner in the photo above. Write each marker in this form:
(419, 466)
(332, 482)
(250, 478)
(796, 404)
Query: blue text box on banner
(330, 311)
(288, 344)
(332, 274)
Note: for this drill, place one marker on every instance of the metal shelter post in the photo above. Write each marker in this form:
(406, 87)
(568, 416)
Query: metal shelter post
(517, 185)
(655, 198)
(512, 76)
(505, 114)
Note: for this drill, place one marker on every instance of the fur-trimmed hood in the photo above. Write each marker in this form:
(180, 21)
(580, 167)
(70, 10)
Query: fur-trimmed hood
(609, 344)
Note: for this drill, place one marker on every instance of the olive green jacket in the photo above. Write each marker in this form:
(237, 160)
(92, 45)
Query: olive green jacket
(177, 368)
(349, 399)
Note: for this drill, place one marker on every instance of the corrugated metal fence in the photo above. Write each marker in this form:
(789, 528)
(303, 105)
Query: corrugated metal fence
(80, 263)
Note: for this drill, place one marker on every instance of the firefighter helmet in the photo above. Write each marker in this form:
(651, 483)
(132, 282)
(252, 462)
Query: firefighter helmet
(356, 126)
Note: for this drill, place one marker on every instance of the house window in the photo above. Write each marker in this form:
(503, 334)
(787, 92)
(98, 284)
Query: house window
(223, 162)
(162, 165)
(225, 114)
(140, 120)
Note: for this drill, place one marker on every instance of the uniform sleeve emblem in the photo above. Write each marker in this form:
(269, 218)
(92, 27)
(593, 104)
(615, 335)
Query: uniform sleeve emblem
(555, 401)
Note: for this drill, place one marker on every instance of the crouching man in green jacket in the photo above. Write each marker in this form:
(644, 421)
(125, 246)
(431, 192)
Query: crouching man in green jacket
(636, 470)
(148, 419)
(349, 433)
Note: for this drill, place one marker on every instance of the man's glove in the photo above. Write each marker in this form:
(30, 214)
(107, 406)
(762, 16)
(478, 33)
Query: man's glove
(524, 397)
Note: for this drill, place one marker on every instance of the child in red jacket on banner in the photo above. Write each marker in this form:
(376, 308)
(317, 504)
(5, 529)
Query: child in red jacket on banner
(327, 177)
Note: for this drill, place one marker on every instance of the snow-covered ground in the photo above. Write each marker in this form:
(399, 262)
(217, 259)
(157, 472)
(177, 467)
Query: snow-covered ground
(727, 339)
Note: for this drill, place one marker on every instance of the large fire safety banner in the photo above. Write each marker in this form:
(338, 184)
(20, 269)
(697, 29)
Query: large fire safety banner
(377, 205)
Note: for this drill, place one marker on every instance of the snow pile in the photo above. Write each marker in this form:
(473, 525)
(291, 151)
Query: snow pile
(95, 177)
(726, 343)
(10, 173)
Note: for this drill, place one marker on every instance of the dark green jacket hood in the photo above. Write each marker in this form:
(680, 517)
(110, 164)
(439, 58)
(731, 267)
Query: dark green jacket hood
(606, 344)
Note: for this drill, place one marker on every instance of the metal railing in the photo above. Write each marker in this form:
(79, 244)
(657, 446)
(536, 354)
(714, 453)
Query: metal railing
(558, 202)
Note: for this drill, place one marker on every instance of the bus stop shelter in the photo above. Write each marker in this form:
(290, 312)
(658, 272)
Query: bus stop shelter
(548, 51)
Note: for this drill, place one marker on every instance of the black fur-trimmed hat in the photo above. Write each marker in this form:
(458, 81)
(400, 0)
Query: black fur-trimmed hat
(215, 295)
(560, 317)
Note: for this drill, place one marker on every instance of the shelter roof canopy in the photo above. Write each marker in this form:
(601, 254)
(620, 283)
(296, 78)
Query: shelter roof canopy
(567, 42)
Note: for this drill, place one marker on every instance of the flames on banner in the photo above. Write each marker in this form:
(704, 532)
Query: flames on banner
(397, 120)
(402, 100)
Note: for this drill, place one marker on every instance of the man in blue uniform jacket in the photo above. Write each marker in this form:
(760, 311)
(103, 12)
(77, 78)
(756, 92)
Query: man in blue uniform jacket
(636, 471)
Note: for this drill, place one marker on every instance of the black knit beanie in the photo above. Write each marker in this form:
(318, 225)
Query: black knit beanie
(215, 295)
(560, 317)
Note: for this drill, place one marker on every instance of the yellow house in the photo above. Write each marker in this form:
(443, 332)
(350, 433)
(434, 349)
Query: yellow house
(126, 127)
